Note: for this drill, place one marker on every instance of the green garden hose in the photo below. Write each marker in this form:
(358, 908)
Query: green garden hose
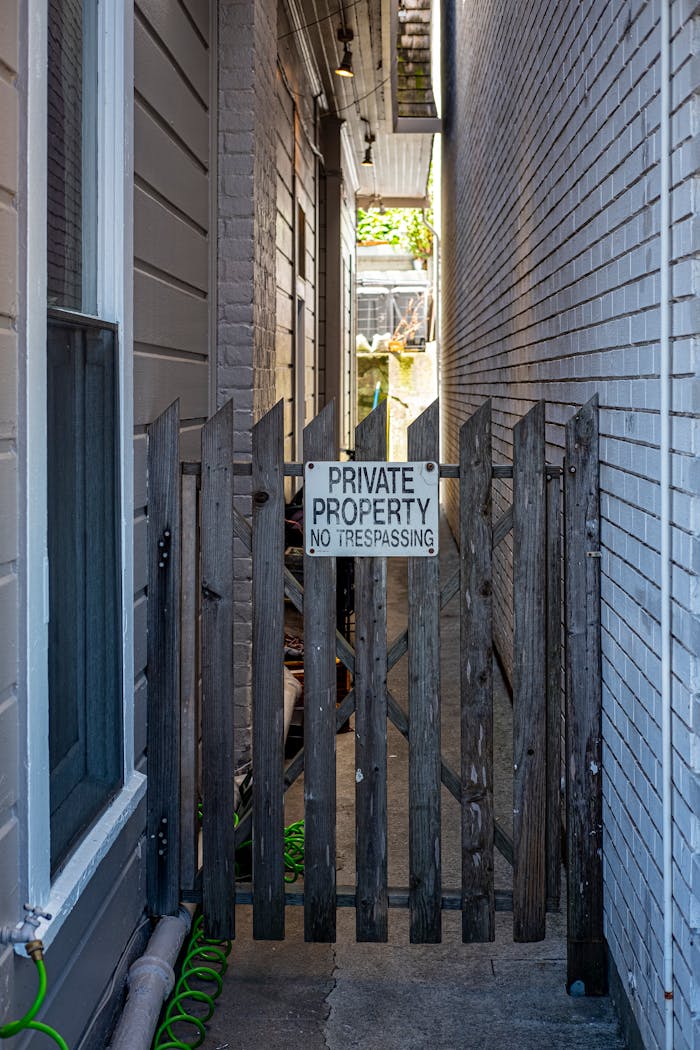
(198, 988)
(294, 851)
(193, 1001)
(28, 1022)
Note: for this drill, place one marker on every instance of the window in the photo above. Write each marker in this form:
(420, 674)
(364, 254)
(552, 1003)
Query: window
(82, 432)
(85, 725)
(301, 243)
(402, 312)
(78, 407)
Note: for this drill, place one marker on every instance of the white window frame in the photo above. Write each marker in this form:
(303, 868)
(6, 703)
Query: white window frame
(115, 304)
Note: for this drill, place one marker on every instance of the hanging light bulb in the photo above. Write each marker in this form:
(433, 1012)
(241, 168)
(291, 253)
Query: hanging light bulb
(344, 69)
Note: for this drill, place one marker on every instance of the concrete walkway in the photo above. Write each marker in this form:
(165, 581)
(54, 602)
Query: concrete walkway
(297, 996)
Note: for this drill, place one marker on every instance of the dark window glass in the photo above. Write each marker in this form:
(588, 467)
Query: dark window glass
(85, 724)
(72, 155)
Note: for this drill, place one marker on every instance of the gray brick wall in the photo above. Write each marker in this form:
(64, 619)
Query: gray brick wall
(263, 175)
(246, 267)
(551, 290)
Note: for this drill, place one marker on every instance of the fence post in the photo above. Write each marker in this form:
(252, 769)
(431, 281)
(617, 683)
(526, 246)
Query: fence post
(163, 820)
(554, 691)
(529, 677)
(476, 677)
(586, 955)
(424, 749)
(372, 919)
(319, 713)
(218, 841)
(189, 679)
(268, 675)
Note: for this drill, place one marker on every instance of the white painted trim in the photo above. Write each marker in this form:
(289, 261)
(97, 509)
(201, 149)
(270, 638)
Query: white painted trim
(349, 163)
(34, 411)
(67, 888)
(298, 24)
(115, 292)
(127, 381)
(369, 200)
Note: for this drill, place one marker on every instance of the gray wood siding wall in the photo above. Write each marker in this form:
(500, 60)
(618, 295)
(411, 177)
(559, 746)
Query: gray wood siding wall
(171, 348)
(296, 187)
(172, 136)
(105, 931)
(10, 901)
(171, 359)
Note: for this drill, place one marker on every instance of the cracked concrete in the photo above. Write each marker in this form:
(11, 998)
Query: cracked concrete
(296, 996)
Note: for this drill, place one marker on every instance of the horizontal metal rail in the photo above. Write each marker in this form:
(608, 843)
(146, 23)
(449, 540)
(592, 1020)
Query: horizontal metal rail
(244, 469)
(398, 898)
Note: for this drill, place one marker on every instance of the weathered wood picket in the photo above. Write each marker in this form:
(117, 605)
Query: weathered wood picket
(194, 520)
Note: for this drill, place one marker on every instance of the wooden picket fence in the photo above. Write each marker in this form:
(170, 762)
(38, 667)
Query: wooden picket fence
(192, 524)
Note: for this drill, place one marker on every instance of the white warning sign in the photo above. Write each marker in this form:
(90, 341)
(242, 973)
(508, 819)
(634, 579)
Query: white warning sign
(371, 509)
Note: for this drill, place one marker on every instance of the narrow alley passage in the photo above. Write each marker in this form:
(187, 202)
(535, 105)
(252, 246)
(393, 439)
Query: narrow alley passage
(297, 996)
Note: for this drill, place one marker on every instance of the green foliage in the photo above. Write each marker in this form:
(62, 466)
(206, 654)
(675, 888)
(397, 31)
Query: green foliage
(382, 227)
(400, 227)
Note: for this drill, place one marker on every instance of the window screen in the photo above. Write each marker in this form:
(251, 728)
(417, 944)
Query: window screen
(72, 155)
(85, 723)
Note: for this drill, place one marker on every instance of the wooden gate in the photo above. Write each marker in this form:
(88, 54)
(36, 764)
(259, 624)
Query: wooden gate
(193, 525)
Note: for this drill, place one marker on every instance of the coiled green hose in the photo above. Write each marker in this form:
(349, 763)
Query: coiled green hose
(294, 851)
(28, 1022)
(205, 963)
(201, 981)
